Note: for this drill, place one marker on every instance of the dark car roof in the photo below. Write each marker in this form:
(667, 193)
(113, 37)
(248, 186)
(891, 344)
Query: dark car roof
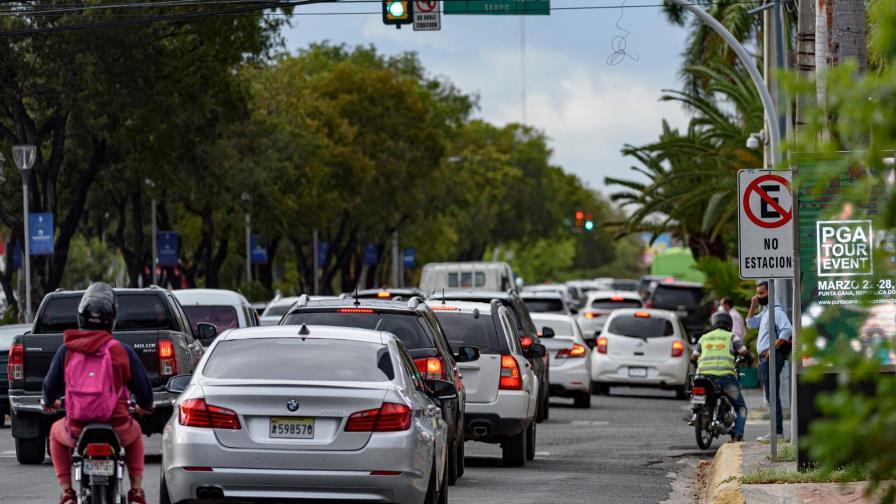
(122, 290)
(351, 302)
(472, 294)
(681, 285)
(401, 291)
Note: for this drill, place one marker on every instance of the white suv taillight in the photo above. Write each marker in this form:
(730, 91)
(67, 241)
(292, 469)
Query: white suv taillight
(511, 379)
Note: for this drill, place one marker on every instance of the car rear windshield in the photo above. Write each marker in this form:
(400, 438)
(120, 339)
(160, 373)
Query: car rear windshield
(405, 326)
(464, 329)
(135, 312)
(610, 304)
(277, 310)
(560, 327)
(625, 285)
(667, 297)
(638, 327)
(223, 317)
(466, 279)
(545, 305)
(298, 359)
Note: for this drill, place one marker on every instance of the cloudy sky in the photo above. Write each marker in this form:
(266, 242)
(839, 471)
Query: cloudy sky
(587, 107)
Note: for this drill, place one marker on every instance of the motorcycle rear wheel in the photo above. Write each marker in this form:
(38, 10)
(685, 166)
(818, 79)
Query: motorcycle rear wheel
(701, 428)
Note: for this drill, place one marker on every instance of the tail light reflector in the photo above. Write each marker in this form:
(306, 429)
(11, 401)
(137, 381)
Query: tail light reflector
(390, 417)
(167, 360)
(196, 413)
(510, 374)
(430, 368)
(98, 450)
(591, 315)
(576, 351)
(698, 391)
(15, 367)
(602, 345)
(385, 473)
(677, 348)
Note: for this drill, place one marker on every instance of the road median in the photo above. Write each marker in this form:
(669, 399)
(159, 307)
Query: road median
(723, 477)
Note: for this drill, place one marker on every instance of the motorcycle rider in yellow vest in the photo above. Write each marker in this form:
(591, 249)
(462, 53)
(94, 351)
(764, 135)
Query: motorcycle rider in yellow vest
(714, 355)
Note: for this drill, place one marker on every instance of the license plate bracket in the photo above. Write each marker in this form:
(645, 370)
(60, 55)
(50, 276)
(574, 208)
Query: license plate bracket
(98, 467)
(291, 428)
(637, 372)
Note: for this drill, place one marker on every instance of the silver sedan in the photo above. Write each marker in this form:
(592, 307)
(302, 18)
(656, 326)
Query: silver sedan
(306, 412)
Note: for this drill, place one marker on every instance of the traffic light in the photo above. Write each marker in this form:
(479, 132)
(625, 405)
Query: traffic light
(589, 223)
(398, 12)
(580, 218)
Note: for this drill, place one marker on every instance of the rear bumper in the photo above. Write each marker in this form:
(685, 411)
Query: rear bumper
(569, 376)
(507, 416)
(495, 427)
(287, 475)
(672, 372)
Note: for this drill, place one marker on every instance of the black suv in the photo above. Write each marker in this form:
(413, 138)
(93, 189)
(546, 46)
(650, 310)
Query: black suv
(527, 331)
(414, 323)
(685, 298)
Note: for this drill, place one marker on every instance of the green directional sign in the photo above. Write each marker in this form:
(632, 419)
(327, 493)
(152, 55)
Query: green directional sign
(507, 7)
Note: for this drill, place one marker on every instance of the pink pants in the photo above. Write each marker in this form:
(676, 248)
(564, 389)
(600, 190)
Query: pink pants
(61, 445)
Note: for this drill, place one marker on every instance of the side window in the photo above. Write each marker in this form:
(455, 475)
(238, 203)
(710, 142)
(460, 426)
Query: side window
(513, 339)
(480, 279)
(441, 338)
(409, 367)
(181, 317)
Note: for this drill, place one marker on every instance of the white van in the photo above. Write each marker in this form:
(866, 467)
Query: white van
(488, 276)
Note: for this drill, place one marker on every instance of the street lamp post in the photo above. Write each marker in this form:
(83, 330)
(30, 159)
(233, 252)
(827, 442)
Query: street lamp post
(247, 198)
(155, 232)
(24, 156)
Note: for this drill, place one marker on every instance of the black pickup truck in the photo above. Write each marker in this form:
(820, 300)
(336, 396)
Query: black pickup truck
(150, 320)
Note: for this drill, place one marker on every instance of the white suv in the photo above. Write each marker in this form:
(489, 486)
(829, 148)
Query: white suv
(502, 390)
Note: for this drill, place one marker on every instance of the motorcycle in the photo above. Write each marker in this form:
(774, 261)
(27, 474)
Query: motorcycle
(98, 467)
(714, 415)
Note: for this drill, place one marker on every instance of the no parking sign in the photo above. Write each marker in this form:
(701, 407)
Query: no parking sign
(765, 224)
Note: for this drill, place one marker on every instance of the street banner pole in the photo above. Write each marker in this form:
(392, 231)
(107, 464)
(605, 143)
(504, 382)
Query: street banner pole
(772, 362)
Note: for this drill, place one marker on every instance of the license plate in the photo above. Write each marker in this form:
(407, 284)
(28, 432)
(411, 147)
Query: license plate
(99, 467)
(698, 399)
(637, 372)
(292, 427)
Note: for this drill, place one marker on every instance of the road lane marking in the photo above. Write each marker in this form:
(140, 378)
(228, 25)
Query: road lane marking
(590, 422)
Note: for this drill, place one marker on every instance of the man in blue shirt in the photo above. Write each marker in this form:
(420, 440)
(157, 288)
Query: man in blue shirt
(784, 331)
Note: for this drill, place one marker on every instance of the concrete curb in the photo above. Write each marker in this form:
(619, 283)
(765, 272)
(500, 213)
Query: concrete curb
(722, 479)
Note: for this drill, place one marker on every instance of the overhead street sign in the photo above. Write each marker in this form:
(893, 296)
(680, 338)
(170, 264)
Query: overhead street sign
(765, 224)
(527, 7)
(427, 15)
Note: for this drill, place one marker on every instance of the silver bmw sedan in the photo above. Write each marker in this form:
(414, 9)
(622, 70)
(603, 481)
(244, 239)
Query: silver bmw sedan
(306, 412)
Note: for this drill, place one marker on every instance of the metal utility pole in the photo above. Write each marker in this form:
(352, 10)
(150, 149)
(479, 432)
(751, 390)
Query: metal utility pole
(315, 252)
(155, 231)
(396, 260)
(24, 156)
(248, 199)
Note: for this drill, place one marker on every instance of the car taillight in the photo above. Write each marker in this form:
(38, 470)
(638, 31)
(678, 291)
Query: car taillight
(677, 348)
(94, 450)
(15, 367)
(526, 342)
(510, 374)
(354, 310)
(167, 359)
(196, 413)
(383, 294)
(591, 315)
(444, 308)
(390, 417)
(576, 351)
(430, 368)
(698, 391)
(602, 345)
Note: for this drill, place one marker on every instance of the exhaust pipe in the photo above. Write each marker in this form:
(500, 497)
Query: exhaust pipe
(209, 493)
(480, 431)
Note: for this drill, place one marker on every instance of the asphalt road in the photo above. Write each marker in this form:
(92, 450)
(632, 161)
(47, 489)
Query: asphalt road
(628, 448)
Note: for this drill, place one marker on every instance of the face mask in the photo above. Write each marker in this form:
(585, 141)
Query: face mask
(763, 301)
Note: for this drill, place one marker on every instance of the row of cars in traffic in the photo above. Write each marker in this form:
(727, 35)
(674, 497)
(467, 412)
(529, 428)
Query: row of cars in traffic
(366, 396)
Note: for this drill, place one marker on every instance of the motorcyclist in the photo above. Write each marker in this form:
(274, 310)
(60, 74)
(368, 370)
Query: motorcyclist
(96, 319)
(714, 355)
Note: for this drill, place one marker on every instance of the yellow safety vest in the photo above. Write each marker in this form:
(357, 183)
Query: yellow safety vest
(715, 356)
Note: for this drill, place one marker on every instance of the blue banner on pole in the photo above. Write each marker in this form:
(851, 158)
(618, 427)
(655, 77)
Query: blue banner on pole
(169, 246)
(17, 256)
(323, 249)
(258, 251)
(409, 257)
(371, 254)
(41, 231)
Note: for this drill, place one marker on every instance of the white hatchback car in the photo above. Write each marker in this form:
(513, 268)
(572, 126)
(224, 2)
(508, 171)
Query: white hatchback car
(502, 390)
(600, 304)
(225, 309)
(570, 357)
(306, 412)
(642, 348)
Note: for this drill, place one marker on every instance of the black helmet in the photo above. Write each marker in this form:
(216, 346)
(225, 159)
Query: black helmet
(97, 309)
(721, 320)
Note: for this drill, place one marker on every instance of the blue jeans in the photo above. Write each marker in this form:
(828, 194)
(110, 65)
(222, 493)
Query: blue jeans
(763, 375)
(731, 387)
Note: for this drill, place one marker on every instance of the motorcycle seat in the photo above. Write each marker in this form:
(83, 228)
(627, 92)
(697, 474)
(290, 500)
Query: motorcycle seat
(98, 433)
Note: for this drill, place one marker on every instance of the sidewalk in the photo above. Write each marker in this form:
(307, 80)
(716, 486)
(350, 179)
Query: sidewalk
(734, 461)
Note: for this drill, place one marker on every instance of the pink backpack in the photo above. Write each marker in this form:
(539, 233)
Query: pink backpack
(90, 394)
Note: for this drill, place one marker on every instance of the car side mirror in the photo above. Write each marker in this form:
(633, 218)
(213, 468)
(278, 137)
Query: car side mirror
(591, 342)
(177, 384)
(573, 310)
(207, 332)
(467, 354)
(547, 332)
(537, 351)
(694, 338)
(441, 390)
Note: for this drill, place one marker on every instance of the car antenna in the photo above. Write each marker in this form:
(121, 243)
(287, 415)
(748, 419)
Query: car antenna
(304, 331)
(443, 295)
(357, 302)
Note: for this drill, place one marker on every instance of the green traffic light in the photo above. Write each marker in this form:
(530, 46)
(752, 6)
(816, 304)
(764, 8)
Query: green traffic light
(396, 9)
(589, 225)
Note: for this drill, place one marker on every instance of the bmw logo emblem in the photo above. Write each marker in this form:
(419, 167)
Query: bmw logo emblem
(292, 405)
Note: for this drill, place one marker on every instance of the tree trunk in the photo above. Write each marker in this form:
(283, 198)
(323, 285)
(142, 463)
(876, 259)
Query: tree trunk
(839, 36)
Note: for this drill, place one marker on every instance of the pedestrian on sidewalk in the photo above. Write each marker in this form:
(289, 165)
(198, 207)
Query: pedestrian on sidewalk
(782, 348)
(738, 327)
